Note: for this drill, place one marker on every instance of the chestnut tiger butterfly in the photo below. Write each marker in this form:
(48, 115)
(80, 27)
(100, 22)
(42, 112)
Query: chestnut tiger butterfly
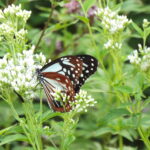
(67, 74)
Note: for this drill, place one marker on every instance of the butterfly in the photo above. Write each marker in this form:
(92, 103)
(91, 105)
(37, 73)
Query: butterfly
(67, 74)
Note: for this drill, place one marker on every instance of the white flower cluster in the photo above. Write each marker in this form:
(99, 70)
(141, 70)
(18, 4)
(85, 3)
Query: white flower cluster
(81, 103)
(113, 24)
(12, 22)
(59, 96)
(112, 44)
(19, 71)
(141, 58)
(111, 21)
(16, 11)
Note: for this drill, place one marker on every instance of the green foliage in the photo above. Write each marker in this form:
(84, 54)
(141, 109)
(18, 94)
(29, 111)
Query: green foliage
(120, 119)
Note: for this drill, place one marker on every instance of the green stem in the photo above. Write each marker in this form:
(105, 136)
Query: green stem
(45, 27)
(120, 142)
(93, 40)
(144, 137)
(118, 72)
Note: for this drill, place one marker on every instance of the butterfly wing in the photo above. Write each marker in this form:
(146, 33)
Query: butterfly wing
(76, 68)
(89, 66)
(52, 81)
(69, 66)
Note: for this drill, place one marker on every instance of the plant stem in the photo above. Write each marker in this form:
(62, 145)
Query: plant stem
(144, 137)
(120, 142)
(45, 27)
(91, 35)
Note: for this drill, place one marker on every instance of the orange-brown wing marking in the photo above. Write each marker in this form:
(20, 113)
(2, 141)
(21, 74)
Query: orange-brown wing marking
(65, 83)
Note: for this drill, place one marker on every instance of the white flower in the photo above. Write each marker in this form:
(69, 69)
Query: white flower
(81, 100)
(21, 34)
(24, 14)
(141, 58)
(112, 45)
(12, 23)
(19, 72)
(111, 21)
(5, 29)
(13, 10)
(145, 23)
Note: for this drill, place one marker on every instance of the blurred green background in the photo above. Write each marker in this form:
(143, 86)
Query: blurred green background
(98, 129)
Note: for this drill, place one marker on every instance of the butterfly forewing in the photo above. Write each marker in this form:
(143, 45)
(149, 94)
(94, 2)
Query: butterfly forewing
(69, 66)
(89, 66)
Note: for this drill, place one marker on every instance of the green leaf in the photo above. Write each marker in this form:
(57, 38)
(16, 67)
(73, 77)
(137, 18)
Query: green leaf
(88, 3)
(84, 19)
(11, 138)
(59, 26)
(138, 29)
(126, 134)
(147, 32)
(124, 89)
(2, 4)
(7, 129)
(102, 131)
(48, 115)
(50, 148)
(116, 113)
(69, 140)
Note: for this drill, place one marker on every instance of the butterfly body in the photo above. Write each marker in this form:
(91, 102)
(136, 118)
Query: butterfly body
(66, 74)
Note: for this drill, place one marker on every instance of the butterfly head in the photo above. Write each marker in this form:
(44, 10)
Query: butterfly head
(38, 74)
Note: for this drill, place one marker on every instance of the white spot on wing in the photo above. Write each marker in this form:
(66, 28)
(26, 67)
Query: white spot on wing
(68, 63)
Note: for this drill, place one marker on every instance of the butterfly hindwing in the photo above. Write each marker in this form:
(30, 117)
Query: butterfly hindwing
(52, 81)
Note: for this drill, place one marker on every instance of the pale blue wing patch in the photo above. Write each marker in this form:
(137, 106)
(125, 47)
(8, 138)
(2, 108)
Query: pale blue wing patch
(55, 84)
(53, 68)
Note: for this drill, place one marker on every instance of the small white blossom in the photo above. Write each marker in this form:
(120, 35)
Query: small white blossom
(21, 34)
(112, 45)
(19, 72)
(12, 22)
(5, 29)
(141, 58)
(111, 21)
(13, 10)
(24, 14)
(81, 100)
(134, 57)
(146, 23)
